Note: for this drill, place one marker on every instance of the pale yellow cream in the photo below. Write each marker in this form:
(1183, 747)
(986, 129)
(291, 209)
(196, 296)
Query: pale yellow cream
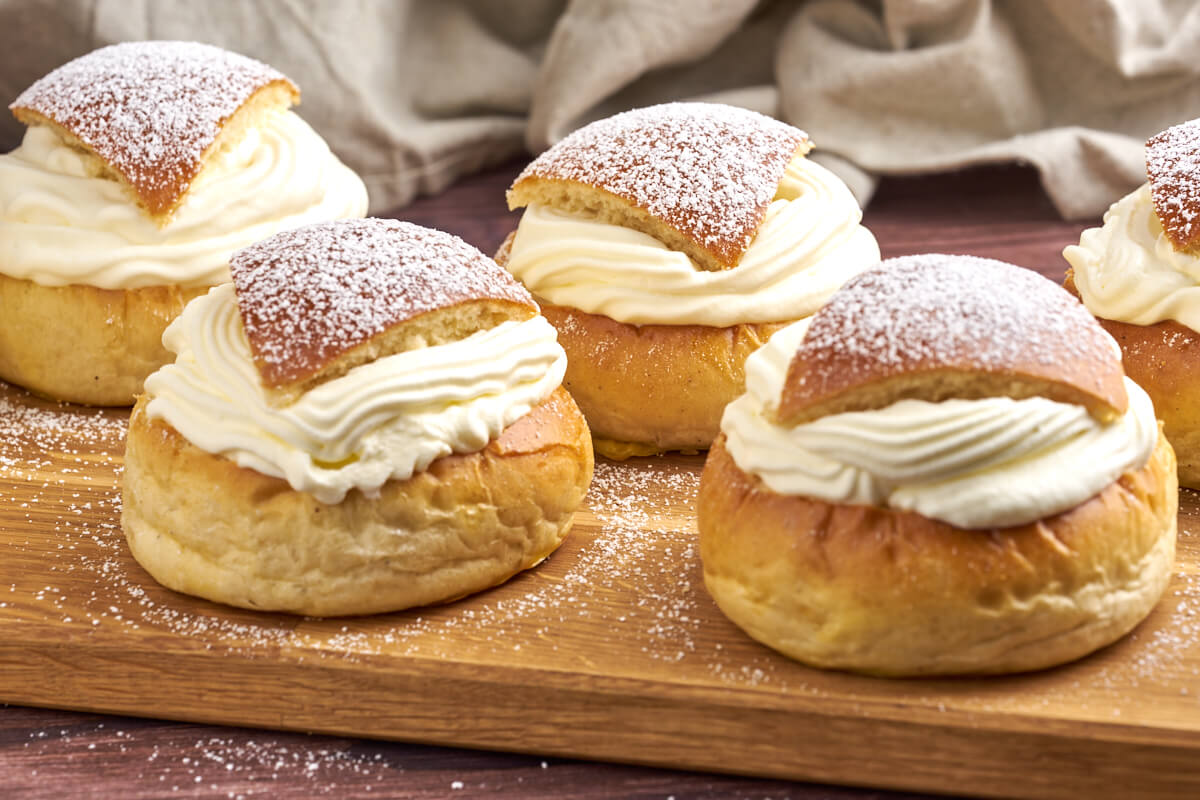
(384, 420)
(1128, 270)
(60, 225)
(985, 463)
(809, 244)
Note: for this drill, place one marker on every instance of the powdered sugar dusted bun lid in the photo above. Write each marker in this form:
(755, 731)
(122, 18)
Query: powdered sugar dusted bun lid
(667, 243)
(1139, 273)
(696, 176)
(1173, 167)
(379, 407)
(318, 301)
(151, 111)
(936, 327)
(900, 493)
(145, 165)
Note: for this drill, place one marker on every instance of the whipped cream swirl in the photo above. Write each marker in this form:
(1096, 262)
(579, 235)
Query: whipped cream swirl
(384, 420)
(1128, 270)
(60, 223)
(810, 242)
(995, 462)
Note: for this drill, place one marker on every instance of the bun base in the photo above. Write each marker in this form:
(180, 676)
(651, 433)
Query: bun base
(1164, 359)
(466, 523)
(83, 344)
(647, 389)
(893, 593)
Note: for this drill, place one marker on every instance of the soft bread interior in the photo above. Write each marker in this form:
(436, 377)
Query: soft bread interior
(935, 386)
(432, 328)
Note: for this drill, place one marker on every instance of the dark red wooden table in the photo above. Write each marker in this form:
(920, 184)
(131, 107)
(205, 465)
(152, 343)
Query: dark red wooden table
(993, 211)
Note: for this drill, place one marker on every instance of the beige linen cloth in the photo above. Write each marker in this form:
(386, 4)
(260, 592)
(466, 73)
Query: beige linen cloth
(413, 94)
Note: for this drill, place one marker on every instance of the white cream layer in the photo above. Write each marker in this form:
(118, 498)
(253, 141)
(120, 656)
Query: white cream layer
(1128, 270)
(60, 224)
(810, 242)
(384, 420)
(972, 463)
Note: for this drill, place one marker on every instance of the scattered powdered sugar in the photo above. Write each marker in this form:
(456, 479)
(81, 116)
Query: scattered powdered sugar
(63, 428)
(630, 572)
(642, 559)
(172, 759)
(60, 472)
(1173, 165)
(310, 294)
(708, 170)
(635, 564)
(1177, 336)
(949, 311)
(1166, 643)
(149, 109)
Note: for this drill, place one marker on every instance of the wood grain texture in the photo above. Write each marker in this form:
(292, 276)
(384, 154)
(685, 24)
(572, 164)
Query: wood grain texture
(613, 633)
(610, 650)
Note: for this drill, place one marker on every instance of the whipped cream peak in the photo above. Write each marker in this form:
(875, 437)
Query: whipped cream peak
(385, 420)
(1128, 269)
(989, 463)
(810, 241)
(63, 223)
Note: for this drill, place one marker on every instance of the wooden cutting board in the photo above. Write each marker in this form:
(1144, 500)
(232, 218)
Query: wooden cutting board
(610, 650)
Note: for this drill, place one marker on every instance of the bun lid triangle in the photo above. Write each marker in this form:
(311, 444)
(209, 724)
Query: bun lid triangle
(697, 176)
(1173, 167)
(936, 327)
(317, 301)
(153, 112)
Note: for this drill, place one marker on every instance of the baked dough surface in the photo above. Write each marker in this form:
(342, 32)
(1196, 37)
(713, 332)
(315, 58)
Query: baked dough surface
(893, 593)
(200, 524)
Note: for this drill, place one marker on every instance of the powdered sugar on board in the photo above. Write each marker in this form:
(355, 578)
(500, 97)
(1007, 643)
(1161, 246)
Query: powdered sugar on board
(1173, 165)
(636, 566)
(936, 311)
(624, 596)
(308, 295)
(707, 170)
(640, 569)
(149, 109)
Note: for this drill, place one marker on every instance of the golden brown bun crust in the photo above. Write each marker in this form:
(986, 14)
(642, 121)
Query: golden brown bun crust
(661, 387)
(1174, 184)
(1164, 359)
(935, 327)
(467, 523)
(696, 176)
(894, 593)
(82, 344)
(151, 113)
(319, 300)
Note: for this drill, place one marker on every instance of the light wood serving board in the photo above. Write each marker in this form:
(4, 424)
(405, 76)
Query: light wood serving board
(610, 650)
